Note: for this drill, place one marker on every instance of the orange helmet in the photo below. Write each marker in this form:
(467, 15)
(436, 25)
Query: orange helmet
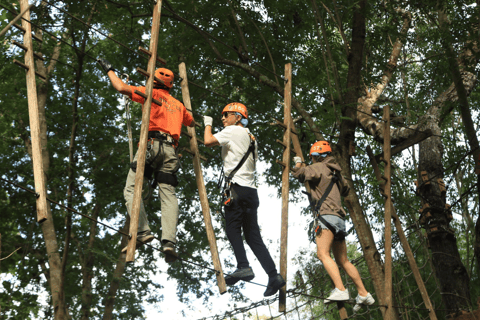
(236, 107)
(164, 75)
(320, 147)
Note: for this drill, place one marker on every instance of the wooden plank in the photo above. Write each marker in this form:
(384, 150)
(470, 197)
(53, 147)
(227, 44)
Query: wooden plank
(282, 298)
(11, 23)
(389, 312)
(202, 191)
(148, 53)
(142, 148)
(33, 112)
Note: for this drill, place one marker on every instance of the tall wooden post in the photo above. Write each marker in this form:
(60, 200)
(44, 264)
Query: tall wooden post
(285, 184)
(389, 313)
(37, 160)
(137, 194)
(202, 191)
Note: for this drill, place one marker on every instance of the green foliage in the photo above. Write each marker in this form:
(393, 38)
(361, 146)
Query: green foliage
(276, 32)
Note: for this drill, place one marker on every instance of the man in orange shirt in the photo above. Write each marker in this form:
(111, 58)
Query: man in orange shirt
(163, 132)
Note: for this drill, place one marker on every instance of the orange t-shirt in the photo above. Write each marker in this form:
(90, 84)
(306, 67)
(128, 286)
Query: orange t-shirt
(168, 117)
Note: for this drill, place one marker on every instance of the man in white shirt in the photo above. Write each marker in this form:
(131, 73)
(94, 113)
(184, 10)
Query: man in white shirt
(241, 212)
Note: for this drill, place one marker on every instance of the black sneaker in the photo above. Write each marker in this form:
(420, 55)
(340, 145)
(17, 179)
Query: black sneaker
(142, 238)
(170, 253)
(274, 284)
(245, 274)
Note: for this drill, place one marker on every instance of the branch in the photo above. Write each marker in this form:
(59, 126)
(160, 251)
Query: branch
(243, 58)
(266, 81)
(10, 254)
(339, 25)
(266, 47)
(368, 123)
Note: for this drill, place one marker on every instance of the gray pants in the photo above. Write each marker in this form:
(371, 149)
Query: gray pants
(165, 161)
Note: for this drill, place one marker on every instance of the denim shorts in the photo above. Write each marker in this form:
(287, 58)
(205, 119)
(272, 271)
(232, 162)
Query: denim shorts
(335, 221)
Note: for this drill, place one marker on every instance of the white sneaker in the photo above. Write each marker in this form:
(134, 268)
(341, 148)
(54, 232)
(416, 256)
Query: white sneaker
(337, 295)
(360, 301)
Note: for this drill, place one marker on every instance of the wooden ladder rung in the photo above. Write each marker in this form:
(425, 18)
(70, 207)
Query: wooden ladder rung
(24, 66)
(144, 96)
(147, 74)
(36, 54)
(145, 51)
(284, 126)
(19, 27)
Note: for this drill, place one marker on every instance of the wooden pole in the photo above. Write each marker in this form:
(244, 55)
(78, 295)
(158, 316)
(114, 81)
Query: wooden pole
(37, 160)
(406, 246)
(137, 194)
(388, 215)
(285, 185)
(202, 191)
(16, 19)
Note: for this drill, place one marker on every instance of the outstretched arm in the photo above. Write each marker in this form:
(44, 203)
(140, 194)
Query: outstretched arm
(117, 83)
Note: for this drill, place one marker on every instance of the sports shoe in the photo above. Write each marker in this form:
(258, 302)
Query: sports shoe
(245, 274)
(337, 295)
(360, 301)
(170, 253)
(142, 238)
(274, 284)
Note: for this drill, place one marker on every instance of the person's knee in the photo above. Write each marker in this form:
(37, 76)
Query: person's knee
(343, 262)
(321, 255)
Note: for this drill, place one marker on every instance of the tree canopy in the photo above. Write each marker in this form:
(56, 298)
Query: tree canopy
(350, 59)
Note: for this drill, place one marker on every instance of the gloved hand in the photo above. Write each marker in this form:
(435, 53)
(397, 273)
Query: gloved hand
(107, 66)
(207, 121)
(297, 160)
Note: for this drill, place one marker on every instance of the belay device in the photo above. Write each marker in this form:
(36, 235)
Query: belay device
(227, 194)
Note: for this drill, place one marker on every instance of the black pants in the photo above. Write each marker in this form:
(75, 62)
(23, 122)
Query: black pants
(242, 214)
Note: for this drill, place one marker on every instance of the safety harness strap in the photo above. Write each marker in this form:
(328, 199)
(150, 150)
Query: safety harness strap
(251, 148)
(316, 209)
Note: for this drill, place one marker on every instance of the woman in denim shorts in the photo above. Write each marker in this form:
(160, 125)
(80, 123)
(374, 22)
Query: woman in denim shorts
(319, 176)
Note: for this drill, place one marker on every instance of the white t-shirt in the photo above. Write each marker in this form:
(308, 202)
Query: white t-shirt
(235, 142)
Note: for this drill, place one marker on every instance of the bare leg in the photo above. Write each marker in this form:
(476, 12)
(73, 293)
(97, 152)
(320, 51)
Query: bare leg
(340, 254)
(324, 243)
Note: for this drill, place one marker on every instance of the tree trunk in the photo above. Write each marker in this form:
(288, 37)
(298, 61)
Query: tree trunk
(449, 269)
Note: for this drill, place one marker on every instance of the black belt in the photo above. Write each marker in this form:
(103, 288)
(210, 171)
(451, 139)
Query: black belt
(162, 136)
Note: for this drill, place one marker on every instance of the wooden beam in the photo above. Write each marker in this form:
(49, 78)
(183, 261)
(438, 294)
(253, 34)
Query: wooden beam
(282, 301)
(33, 112)
(11, 23)
(142, 148)
(202, 191)
(389, 312)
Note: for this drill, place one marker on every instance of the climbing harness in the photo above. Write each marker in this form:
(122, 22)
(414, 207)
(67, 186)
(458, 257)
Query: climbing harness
(227, 196)
(315, 207)
(151, 158)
